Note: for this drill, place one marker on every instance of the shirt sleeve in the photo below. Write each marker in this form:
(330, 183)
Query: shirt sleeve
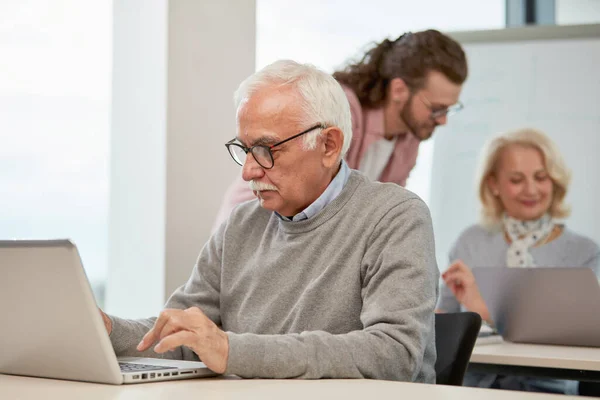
(399, 292)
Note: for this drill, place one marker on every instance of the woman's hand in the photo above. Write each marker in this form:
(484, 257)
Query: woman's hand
(461, 282)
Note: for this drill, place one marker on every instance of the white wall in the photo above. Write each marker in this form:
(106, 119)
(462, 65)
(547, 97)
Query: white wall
(516, 81)
(211, 50)
(569, 12)
(176, 65)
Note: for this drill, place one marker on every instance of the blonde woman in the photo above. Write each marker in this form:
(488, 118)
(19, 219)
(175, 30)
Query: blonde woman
(523, 182)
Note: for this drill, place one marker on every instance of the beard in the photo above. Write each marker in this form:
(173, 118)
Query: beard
(420, 130)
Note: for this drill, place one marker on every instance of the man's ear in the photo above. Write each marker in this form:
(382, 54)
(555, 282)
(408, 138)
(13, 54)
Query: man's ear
(332, 143)
(398, 91)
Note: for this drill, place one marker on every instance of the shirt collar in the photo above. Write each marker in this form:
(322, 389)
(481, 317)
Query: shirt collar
(333, 190)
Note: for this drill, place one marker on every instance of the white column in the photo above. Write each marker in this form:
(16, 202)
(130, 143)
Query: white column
(176, 65)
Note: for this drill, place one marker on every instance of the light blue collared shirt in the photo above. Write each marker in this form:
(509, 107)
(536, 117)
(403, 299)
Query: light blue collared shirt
(332, 191)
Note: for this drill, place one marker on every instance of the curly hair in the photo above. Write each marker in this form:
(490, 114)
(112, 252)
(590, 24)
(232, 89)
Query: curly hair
(410, 57)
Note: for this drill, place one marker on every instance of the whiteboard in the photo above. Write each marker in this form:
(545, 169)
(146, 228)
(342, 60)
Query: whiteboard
(546, 78)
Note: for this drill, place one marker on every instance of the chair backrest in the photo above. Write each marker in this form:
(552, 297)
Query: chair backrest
(455, 336)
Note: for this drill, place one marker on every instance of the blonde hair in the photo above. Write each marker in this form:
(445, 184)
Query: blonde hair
(492, 208)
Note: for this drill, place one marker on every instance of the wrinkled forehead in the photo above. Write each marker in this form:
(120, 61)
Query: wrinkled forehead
(273, 112)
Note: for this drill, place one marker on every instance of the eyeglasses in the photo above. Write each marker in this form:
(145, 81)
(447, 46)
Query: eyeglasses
(437, 112)
(261, 153)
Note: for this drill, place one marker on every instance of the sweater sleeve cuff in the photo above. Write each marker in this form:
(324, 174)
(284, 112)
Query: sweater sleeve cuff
(121, 337)
(265, 356)
(246, 355)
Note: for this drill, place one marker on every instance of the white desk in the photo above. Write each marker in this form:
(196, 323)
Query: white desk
(14, 387)
(566, 362)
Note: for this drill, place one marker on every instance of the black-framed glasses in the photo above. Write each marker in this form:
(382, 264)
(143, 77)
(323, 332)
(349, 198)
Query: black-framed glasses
(437, 112)
(261, 153)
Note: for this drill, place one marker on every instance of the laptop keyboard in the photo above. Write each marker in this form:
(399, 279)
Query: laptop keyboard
(129, 367)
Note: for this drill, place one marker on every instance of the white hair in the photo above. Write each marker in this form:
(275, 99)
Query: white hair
(324, 100)
(260, 186)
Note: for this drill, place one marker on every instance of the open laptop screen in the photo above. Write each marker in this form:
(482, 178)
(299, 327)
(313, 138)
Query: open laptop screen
(542, 305)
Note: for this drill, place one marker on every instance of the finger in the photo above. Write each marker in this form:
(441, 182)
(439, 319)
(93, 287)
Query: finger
(168, 329)
(453, 275)
(153, 334)
(457, 265)
(171, 342)
(458, 278)
(177, 322)
(465, 271)
(464, 267)
(452, 268)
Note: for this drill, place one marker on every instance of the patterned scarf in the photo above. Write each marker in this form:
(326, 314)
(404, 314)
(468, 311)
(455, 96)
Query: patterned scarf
(524, 235)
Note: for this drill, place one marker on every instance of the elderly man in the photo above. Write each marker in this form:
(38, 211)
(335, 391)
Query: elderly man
(399, 92)
(326, 275)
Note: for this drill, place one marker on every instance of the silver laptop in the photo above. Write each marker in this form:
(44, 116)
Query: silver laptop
(543, 305)
(52, 328)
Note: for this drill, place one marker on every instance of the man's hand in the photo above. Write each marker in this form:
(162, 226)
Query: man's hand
(461, 282)
(107, 322)
(193, 329)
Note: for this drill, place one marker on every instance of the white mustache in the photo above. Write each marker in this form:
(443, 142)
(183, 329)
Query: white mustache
(260, 186)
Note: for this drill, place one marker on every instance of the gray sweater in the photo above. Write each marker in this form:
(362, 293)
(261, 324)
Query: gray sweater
(479, 247)
(348, 293)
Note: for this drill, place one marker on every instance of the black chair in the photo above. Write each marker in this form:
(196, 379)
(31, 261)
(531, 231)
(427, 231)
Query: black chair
(455, 335)
(591, 389)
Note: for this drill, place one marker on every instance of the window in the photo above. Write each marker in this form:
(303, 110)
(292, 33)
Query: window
(54, 101)
(575, 12)
(328, 33)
